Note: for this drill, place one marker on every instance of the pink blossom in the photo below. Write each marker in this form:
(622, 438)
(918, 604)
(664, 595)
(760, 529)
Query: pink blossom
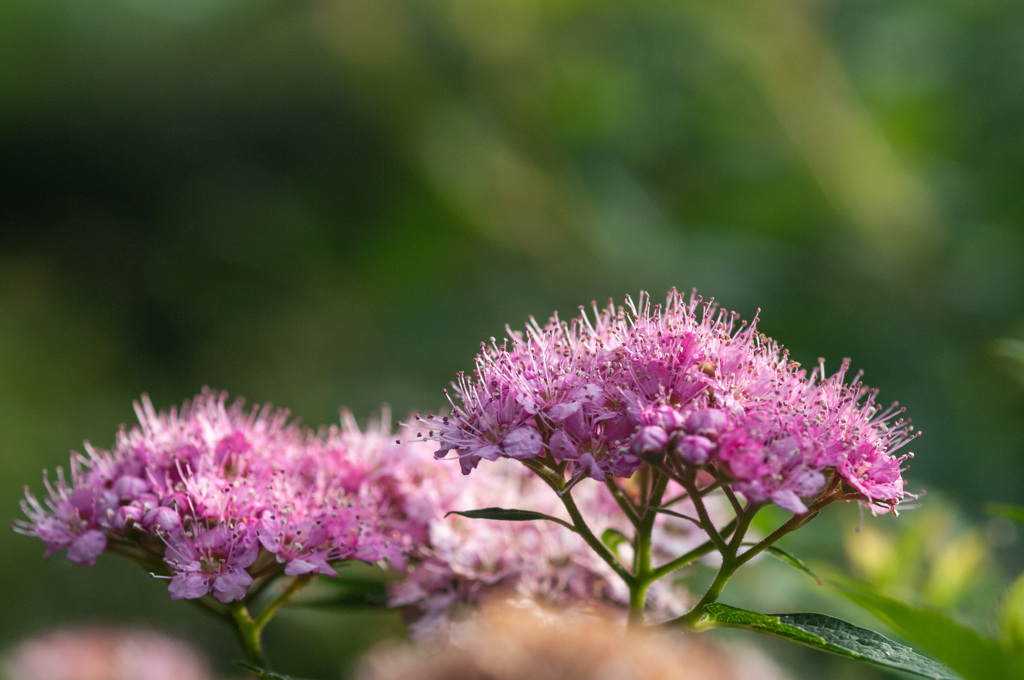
(211, 561)
(685, 386)
(465, 561)
(223, 495)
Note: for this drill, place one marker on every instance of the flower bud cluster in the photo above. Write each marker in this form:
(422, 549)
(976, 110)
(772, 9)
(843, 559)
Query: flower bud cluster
(686, 386)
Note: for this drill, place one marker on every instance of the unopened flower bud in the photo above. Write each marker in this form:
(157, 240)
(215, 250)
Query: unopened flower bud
(649, 440)
(694, 449)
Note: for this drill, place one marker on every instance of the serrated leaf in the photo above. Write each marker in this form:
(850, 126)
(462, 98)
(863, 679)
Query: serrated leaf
(963, 649)
(613, 538)
(264, 673)
(509, 515)
(830, 634)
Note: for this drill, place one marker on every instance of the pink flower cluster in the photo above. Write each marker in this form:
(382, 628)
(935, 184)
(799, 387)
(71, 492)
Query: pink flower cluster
(465, 561)
(219, 498)
(221, 495)
(452, 563)
(685, 386)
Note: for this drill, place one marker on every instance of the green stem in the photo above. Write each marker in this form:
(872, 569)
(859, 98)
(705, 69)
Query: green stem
(555, 478)
(692, 618)
(731, 559)
(743, 519)
(796, 521)
(681, 561)
(248, 633)
(297, 584)
(736, 505)
(261, 583)
(793, 524)
(675, 499)
(651, 493)
(690, 484)
(730, 562)
(593, 541)
(683, 496)
(623, 500)
(249, 630)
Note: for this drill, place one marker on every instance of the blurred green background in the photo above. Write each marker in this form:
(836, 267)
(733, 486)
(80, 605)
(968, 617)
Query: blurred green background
(332, 202)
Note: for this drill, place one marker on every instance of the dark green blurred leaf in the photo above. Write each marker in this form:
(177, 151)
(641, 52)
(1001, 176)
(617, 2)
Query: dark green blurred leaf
(1014, 349)
(963, 649)
(346, 601)
(1011, 512)
(830, 634)
(509, 515)
(359, 577)
(1011, 619)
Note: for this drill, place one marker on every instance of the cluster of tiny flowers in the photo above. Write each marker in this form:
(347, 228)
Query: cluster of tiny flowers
(464, 562)
(219, 495)
(686, 386)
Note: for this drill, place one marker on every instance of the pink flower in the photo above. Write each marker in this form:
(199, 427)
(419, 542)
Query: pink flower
(684, 386)
(224, 495)
(74, 514)
(463, 561)
(211, 561)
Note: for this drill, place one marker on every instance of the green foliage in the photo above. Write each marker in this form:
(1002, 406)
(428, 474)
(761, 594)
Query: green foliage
(830, 634)
(1011, 619)
(509, 515)
(963, 649)
(1011, 512)
(932, 555)
(357, 586)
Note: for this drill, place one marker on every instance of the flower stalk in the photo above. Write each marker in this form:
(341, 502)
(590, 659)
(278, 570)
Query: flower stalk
(249, 629)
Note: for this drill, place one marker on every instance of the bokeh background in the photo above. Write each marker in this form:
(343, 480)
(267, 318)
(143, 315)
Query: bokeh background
(321, 203)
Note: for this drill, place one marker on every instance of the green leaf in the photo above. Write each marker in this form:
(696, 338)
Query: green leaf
(1011, 618)
(1012, 348)
(830, 634)
(613, 538)
(358, 578)
(1011, 512)
(963, 649)
(346, 601)
(263, 673)
(507, 515)
(357, 586)
(791, 560)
